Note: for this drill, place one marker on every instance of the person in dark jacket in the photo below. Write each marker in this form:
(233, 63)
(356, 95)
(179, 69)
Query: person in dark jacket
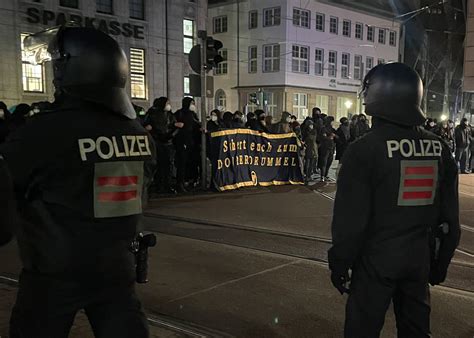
(228, 120)
(4, 116)
(310, 149)
(7, 207)
(343, 134)
(445, 130)
(430, 124)
(18, 117)
(161, 124)
(397, 184)
(326, 147)
(238, 121)
(185, 141)
(251, 118)
(462, 136)
(80, 194)
(283, 126)
(213, 123)
(259, 123)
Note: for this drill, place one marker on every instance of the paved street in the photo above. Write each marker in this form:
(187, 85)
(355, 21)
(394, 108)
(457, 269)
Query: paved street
(251, 263)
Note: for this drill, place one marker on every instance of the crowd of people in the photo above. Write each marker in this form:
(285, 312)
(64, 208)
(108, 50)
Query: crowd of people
(177, 137)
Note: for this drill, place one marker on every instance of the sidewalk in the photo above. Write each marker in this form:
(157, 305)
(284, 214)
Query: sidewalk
(81, 327)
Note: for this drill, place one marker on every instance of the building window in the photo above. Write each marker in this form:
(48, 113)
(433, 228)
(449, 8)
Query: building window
(380, 61)
(333, 25)
(271, 58)
(382, 35)
(137, 73)
(300, 59)
(319, 61)
(393, 38)
(253, 19)
(300, 105)
(369, 63)
(188, 33)
(357, 67)
(32, 75)
(320, 22)
(345, 63)
(322, 102)
(271, 16)
(220, 24)
(104, 6)
(252, 59)
(69, 3)
(137, 9)
(221, 100)
(370, 33)
(186, 86)
(359, 32)
(221, 68)
(332, 61)
(346, 28)
(269, 103)
(301, 17)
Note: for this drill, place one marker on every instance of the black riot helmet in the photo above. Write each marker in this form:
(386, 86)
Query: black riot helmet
(87, 63)
(393, 92)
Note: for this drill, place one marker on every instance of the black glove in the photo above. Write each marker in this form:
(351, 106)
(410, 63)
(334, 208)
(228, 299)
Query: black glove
(437, 275)
(339, 280)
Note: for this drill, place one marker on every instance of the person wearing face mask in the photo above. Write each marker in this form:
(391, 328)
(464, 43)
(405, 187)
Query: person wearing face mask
(238, 120)
(283, 126)
(185, 140)
(162, 126)
(462, 136)
(213, 123)
(259, 124)
(342, 141)
(4, 114)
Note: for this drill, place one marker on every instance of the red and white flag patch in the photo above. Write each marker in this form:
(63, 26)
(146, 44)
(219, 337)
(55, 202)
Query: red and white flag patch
(418, 182)
(117, 188)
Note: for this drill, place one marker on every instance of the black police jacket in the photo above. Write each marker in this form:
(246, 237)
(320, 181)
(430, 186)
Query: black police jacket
(79, 173)
(395, 183)
(6, 204)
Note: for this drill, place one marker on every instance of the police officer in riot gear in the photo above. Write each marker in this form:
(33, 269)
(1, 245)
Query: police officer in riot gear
(6, 204)
(397, 184)
(79, 192)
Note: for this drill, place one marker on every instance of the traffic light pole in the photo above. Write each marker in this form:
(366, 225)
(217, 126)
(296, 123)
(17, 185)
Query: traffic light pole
(203, 36)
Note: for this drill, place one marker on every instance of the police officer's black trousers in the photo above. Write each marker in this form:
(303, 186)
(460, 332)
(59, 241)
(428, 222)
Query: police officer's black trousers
(181, 160)
(461, 156)
(45, 308)
(370, 298)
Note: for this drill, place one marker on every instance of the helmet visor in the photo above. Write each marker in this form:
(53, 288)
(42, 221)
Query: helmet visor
(41, 47)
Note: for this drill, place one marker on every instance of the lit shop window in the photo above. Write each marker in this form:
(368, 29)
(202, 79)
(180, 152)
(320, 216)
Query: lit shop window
(322, 102)
(137, 73)
(188, 33)
(32, 75)
(187, 89)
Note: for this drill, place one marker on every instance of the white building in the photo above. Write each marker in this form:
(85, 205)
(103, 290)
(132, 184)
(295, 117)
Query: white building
(155, 34)
(294, 55)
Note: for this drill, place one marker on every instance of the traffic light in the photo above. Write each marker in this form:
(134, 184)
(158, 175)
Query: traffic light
(212, 52)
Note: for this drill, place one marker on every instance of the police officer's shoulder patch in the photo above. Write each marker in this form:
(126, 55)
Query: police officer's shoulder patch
(118, 188)
(418, 182)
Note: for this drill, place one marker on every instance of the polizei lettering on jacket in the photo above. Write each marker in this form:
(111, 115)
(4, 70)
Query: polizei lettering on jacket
(414, 148)
(115, 146)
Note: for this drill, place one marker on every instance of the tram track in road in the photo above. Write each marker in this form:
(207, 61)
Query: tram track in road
(183, 329)
(296, 246)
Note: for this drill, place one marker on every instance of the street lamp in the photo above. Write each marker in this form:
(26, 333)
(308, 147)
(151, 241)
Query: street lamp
(444, 117)
(348, 104)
